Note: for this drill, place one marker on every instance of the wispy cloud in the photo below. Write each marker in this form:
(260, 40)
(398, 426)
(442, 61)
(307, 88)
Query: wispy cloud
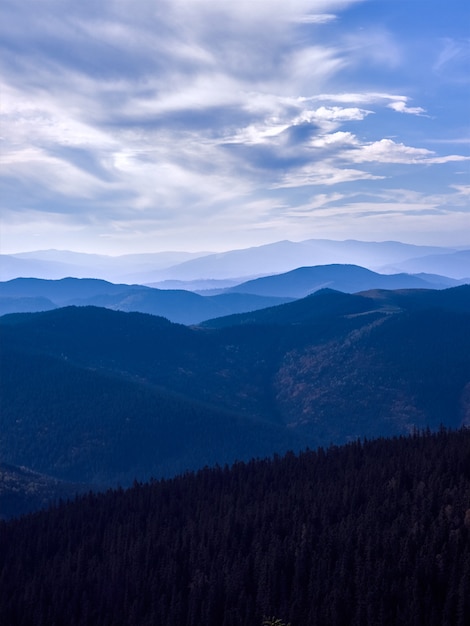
(181, 122)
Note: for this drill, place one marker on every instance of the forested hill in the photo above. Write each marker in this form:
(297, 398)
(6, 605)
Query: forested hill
(99, 396)
(369, 534)
(329, 302)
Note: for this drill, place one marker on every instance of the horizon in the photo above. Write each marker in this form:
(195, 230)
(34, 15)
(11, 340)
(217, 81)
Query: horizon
(455, 248)
(195, 125)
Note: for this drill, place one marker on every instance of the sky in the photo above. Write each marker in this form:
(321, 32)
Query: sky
(149, 125)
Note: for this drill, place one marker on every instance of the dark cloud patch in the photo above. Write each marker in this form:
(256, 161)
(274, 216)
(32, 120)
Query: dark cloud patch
(267, 157)
(299, 134)
(78, 52)
(213, 121)
(85, 160)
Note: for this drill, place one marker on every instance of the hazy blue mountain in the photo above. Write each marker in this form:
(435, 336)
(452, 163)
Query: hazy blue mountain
(64, 291)
(204, 286)
(56, 264)
(184, 307)
(242, 264)
(25, 305)
(453, 264)
(302, 281)
(283, 256)
(14, 267)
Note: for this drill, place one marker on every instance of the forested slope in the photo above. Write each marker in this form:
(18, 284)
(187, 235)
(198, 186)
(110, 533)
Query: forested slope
(369, 534)
(103, 397)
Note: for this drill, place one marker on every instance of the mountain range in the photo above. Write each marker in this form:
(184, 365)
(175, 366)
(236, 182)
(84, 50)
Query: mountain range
(23, 295)
(303, 281)
(102, 397)
(277, 431)
(278, 257)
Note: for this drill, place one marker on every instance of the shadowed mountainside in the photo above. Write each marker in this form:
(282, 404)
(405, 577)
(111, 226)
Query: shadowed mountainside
(23, 491)
(100, 396)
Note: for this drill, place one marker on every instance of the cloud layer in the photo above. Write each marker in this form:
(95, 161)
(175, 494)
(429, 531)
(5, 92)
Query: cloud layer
(193, 124)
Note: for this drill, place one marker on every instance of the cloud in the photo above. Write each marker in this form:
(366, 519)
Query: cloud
(401, 107)
(324, 174)
(186, 115)
(453, 60)
(464, 190)
(388, 151)
(320, 18)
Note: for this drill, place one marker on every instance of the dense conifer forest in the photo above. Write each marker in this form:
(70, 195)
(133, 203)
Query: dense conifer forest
(373, 533)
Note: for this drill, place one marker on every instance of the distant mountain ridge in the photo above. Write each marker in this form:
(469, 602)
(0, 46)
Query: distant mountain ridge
(187, 307)
(283, 256)
(57, 264)
(303, 281)
(454, 264)
(241, 264)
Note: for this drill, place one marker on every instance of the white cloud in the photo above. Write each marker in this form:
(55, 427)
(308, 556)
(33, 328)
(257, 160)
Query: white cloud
(464, 190)
(453, 54)
(338, 114)
(182, 111)
(401, 107)
(320, 18)
(388, 151)
(324, 173)
(338, 140)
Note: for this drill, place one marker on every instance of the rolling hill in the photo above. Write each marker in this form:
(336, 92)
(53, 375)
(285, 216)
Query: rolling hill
(303, 281)
(23, 295)
(186, 307)
(101, 396)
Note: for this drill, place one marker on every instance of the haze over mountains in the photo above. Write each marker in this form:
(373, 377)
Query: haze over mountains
(31, 294)
(95, 392)
(282, 256)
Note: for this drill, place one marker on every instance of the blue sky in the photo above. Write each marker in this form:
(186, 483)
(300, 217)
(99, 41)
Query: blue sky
(141, 126)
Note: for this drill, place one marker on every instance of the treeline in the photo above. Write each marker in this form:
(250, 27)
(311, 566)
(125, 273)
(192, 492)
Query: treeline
(372, 533)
